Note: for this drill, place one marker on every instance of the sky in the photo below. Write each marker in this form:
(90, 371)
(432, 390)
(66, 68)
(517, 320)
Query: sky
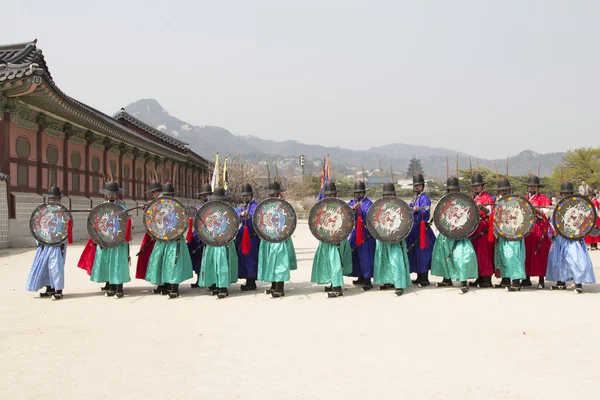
(488, 78)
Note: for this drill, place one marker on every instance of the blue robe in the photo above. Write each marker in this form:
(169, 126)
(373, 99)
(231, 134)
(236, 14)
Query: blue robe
(569, 260)
(363, 257)
(198, 246)
(420, 259)
(48, 268)
(247, 263)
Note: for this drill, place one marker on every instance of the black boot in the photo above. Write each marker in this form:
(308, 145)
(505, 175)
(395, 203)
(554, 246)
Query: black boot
(159, 289)
(111, 290)
(559, 286)
(328, 288)
(464, 287)
(272, 289)
(486, 282)
(515, 286)
(541, 283)
(336, 291)
(386, 286)
(359, 281)
(398, 292)
(578, 288)
(445, 282)
(249, 286)
(526, 282)
(504, 283)
(367, 285)
(48, 293)
(57, 295)
(418, 280)
(278, 292)
(197, 284)
(475, 283)
(119, 291)
(106, 287)
(222, 293)
(213, 289)
(424, 279)
(174, 292)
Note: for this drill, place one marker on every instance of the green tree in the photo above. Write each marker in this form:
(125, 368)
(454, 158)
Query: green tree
(578, 165)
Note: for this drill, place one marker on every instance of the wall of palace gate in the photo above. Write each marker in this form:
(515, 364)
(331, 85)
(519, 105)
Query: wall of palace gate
(4, 236)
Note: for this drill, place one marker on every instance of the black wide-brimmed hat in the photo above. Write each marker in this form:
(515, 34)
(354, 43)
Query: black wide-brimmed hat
(477, 179)
(219, 194)
(533, 181)
(359, 187)
(453, 183)
(274, 188)
(418, 179)
(54, 191)
(205, 190)
(567, 188)
(329, 188)
(504, 184)
(247, 189)
(388, 188)
(111, 188)
(155, 186)
(169, 188)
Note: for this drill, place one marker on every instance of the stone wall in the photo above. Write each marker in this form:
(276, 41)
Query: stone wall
(25, 203)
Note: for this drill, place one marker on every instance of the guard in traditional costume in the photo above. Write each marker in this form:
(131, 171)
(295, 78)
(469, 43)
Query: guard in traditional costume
(219, 264)
(454, 259)
(421, 238)
(569, 260)
(247, 241)
(275, 260)
(391, 266)
(48, 268)
(537, 243)
(361, 242)
(509, 255)
(148, 242)
(111, 264)
(589, 239)
(170, 262)
(484, 248)
(331, 261)
(195, 245)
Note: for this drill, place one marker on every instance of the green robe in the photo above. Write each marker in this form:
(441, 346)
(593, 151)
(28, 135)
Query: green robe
(391, 264)
(331, 263)
(170, 262)
(219, 266)
(111, 264)
(509, 256)
(462, 265)
(275, 260)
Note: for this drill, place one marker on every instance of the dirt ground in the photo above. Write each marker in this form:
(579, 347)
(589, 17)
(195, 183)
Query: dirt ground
(487, 344)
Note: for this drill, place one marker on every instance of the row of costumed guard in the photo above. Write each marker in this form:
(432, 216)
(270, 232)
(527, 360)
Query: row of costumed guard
(379, 242)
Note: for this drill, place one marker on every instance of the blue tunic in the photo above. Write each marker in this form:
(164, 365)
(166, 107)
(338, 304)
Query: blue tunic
(363, 257)
(196, 245)
(420, 259)
(569, 260)
(247, 263)
(48, 268)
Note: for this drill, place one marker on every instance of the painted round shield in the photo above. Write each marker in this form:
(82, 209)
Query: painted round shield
(165, 219)
(274, 220)
(331, 220)
(514, 217)
(574, 217)
(216, 223)
(107, 223)
(49, 222)
(595, 232)
(390, 219)
(456, 216)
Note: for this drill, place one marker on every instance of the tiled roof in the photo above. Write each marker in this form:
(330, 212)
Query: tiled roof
(124, 115)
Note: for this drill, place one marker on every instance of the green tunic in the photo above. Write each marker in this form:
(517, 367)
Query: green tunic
(331, 263)
(219, 266)
(111, 264)
(462, 265)
(509, 256)
(170, 262)
(275, 260)
(391, 264)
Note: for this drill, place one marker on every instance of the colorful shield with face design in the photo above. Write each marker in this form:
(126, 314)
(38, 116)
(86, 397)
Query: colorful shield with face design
(107, 224)
(574, 217)
(456, 216)
(514, 217)
(331, 220)
(216, 223)
(165, 219)
(274, 220)
(49, 223)
(390, 219)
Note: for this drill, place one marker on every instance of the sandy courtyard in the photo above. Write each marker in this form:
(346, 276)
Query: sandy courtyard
(488, 344)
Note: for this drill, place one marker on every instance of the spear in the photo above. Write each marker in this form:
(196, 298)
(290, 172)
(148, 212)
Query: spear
(478, 167)
(381, 172)
(363, 171)
(539, 167)
(470, 167)
(447, 168)
(276, 173)
(507, 167)
(392, 171)
(497, 174)
(457, 166)
(268, 174)
(155, 173)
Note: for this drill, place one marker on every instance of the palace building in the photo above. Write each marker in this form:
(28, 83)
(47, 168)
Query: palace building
(47, 138)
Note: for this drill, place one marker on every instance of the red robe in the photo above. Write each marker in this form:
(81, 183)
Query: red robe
(144, 257)
(86, 261)
(590, 239)
(536, 261)
(484, 249)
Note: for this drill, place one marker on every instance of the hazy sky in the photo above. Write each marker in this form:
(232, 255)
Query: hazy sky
(489, 78)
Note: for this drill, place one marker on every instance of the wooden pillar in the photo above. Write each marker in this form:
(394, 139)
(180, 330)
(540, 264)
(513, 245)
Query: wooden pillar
(121, 177)
(87, 166)
(145, 178)
(134, 176)
(38, 178)
(5, 157)
(65, 166)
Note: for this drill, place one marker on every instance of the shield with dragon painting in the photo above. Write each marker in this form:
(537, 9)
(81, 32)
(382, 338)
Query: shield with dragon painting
(165, 219)
(456, 216)
(390, 220)
(274, 220)
(514, 217)
(574, 217)
(49, 223)
(216, 223)
(107, 224)
(331, 220)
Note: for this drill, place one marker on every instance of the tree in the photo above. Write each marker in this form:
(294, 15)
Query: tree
(578, 165)
(414, 168)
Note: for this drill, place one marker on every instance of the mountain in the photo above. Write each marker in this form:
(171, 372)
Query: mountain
(207, 140)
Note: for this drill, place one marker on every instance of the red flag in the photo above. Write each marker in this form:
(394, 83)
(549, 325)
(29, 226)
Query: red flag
(246, 241)
(422, 235)
(491, 228)
(190, 232)
(70, 231)
(128, 230)
(360, 237)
